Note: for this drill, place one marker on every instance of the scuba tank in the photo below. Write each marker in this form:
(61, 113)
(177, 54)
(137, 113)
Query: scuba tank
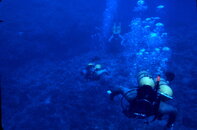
(164, 90)
(143, 78)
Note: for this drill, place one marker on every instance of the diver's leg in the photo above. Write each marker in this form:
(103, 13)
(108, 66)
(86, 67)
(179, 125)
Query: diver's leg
(166, 109)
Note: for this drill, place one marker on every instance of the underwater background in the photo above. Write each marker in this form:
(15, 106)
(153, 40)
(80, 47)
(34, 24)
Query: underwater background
(45, 44)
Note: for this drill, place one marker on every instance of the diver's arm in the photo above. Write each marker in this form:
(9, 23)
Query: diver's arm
(112, 36)
(129, 94)
(122, 40)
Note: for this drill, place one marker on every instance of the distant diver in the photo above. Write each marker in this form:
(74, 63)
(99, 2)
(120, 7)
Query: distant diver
(93, 71)
(149, 99)
(116, 40)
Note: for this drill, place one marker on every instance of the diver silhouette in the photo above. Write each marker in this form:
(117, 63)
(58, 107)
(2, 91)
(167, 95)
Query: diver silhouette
(115, 41)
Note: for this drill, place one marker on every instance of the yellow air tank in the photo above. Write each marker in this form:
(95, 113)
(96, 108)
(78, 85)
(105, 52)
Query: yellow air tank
(164, 89)
(145, 79)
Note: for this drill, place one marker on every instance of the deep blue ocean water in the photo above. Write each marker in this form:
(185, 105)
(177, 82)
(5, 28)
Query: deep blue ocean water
(45, 44)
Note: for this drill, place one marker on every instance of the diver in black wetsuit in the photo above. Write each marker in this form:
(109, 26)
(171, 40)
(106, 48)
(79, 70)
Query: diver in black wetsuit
(148, 99)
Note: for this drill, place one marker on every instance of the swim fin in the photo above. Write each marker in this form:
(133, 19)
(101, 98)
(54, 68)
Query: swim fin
(169, 76)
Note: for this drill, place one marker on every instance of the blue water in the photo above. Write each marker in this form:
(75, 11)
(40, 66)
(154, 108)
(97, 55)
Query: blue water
(45, 44)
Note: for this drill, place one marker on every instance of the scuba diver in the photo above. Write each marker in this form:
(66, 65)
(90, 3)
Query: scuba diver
(116, 40)
(94, 71)
(149, 99)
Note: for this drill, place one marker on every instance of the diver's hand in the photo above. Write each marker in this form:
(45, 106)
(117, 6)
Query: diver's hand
(111, 97)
